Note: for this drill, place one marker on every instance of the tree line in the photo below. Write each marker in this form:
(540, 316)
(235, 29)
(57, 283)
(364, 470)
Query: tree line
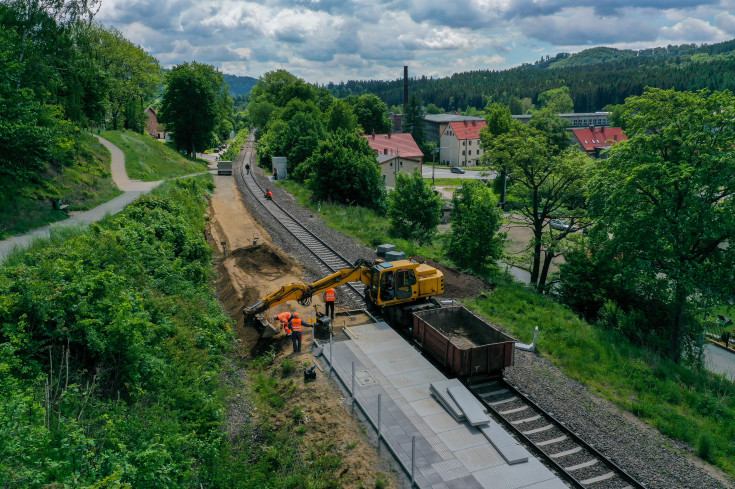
(593, 83)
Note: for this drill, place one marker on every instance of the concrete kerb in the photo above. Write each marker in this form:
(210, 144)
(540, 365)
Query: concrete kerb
(407, 470)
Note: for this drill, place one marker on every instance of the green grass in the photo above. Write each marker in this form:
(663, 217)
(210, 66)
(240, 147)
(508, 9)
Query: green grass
(361, 223)
(449, 182)
(149, 160)
(690, 405)
(84, 184)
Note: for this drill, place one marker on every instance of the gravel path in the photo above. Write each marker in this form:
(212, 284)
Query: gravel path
(657, 461)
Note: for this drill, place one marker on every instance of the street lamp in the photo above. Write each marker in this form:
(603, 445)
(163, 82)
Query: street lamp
(433, 167)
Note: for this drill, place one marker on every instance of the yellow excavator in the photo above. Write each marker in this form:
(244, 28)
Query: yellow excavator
(392, 286)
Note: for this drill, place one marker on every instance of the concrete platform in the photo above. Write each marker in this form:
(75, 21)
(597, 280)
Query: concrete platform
(449, 454)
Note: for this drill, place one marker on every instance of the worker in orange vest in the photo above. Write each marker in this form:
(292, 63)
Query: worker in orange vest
(296, 329)
(329, 297)
(269, 195)
(284, 318)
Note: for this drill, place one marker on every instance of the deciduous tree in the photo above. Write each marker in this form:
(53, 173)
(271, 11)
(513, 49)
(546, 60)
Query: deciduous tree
(413, 209)
(344, 169)
(193, 104)
(474, 241)
(544, 186)
(664, 202)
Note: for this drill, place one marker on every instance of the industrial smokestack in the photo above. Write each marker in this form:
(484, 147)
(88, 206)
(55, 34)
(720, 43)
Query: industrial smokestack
(405, 89)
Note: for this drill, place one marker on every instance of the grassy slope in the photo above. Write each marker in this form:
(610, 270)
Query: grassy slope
(84, 185)
(150, 160)
(694, 406)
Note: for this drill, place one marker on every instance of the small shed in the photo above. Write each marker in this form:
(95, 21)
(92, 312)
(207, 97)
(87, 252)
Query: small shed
(280, 167)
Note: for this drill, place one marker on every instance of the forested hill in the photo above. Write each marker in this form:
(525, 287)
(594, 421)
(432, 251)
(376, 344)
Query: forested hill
(239, 85)
(596, 77)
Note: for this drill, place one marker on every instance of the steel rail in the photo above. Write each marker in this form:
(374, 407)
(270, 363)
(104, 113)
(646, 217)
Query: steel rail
(562, 428)
(330, 258)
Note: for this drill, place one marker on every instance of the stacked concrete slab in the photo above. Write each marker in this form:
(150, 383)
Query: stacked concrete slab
(463, 406)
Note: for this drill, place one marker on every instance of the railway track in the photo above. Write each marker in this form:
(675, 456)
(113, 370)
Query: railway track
(578, 462)
(329, 260)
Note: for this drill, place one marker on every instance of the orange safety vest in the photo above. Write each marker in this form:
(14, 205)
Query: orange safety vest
(284, 317)
(330, 295)
(296, 325)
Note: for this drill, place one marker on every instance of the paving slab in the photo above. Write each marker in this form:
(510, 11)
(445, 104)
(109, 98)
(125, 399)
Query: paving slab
(416, 377)
(404, 365)
(462, 437)
(441, 422)
(479, 457)
(518, 476)
(469, 405)
(415, 392)
(439, 389)
(509, 448)
(427, 407)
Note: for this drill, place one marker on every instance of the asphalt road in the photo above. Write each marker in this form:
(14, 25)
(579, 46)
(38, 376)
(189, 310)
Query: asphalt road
(719, 360)
(444, 172)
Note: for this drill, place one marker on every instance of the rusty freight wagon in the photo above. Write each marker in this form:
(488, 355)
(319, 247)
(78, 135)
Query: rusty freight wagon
(463, 342)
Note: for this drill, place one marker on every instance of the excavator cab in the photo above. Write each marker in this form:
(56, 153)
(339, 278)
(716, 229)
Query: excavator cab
(395, 283)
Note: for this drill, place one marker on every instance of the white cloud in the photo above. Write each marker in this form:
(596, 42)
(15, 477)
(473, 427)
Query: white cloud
(726, 22)
(692, 30)
(584, 27)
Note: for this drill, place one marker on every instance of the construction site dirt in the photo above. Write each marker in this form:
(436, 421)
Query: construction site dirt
(248, 271)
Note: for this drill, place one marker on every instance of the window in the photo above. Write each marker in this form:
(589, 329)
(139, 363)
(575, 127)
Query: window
(463, 152)
(464, 143)
(391, 163)
(404, 280)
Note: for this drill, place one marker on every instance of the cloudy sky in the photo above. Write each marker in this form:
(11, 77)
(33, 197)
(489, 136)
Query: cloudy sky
(339, 40)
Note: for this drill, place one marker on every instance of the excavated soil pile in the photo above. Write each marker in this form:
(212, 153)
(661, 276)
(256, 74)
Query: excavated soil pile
(458, 285)
(264, 258)
(244, 275)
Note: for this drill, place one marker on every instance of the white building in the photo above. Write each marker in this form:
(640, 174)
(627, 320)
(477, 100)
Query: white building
(460, 143)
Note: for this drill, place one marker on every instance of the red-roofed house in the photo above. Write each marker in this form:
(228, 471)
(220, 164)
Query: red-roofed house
(460, 143)
(153, 127)
(396, 153)
(594, 140)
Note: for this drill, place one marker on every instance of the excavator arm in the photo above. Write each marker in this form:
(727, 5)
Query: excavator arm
(303, 293)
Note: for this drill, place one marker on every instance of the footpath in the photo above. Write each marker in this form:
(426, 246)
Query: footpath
(132, 188)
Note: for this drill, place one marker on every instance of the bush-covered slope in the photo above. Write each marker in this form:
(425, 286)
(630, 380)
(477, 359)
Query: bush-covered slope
(111, 346)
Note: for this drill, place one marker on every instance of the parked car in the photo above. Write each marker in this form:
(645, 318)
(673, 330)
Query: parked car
(561, 225)
(216, 150)
(456, 169)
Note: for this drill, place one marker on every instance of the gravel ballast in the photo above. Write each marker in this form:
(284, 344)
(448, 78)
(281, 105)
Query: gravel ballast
(654, 459)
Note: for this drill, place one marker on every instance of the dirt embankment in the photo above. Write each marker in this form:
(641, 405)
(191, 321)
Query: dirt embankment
(249, 267)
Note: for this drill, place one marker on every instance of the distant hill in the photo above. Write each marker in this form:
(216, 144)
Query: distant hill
(240, 85)
(596, 77)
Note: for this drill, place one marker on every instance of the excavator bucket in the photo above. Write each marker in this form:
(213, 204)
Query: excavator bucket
(264, 328)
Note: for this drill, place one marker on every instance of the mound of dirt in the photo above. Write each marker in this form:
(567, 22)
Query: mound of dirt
(264, 258)
(458, 285)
